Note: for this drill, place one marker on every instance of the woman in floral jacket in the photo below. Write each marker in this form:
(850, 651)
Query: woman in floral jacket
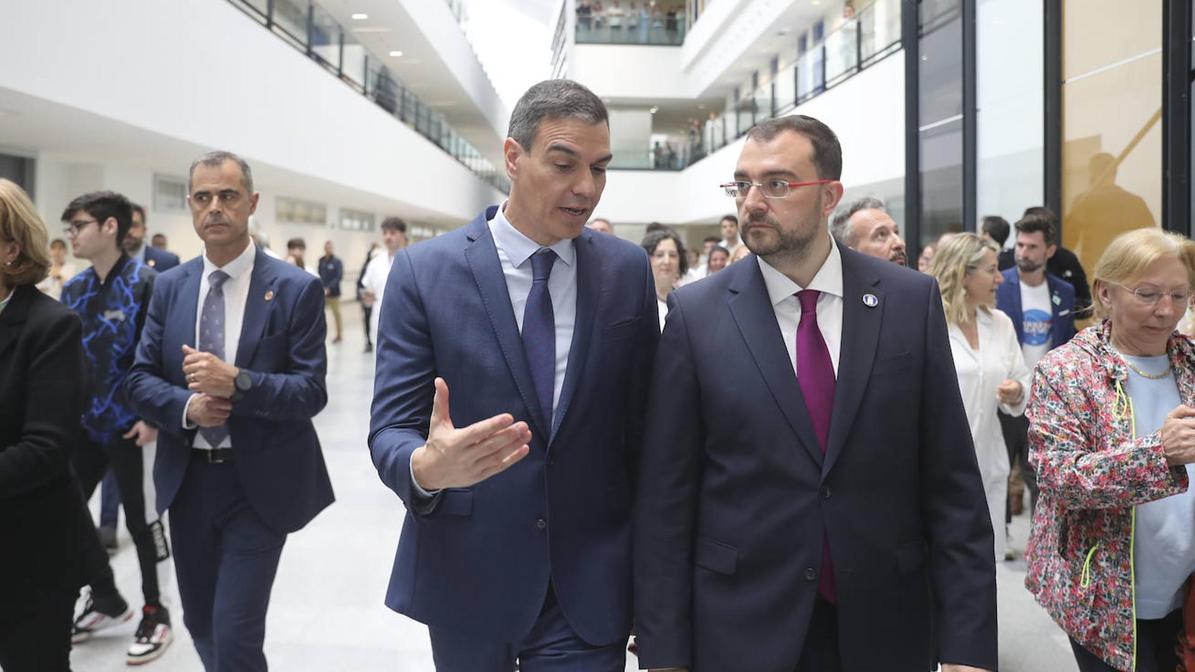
(1112, 436)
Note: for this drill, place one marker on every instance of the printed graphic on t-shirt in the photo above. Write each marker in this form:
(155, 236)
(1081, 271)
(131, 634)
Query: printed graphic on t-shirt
(1036, 326)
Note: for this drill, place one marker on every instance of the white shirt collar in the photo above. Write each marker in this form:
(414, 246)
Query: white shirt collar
(828, 279)
(234, 268)
(518, 247)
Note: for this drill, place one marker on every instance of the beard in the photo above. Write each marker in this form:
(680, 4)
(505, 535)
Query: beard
(793, 242)
(1029, 266)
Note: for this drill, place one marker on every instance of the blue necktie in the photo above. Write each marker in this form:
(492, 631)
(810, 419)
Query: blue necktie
(539, 332)
(211, 339)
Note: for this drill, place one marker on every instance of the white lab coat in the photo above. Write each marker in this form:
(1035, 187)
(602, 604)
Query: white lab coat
(979, 374)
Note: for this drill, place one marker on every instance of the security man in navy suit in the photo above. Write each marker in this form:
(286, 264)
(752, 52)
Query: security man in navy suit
(231, 368)
(813, 502)
(518, 486)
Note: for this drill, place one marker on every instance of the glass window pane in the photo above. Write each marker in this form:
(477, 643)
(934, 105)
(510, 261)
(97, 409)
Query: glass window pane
(940, 78)
(290, 18)
(325, 38)
(842, 56)
(353, 66)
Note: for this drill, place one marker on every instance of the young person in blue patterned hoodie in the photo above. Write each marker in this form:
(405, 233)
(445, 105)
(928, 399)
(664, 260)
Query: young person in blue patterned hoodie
(112, 299)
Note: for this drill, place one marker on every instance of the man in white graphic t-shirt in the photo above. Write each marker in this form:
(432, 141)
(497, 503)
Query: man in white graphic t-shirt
(1042, 309)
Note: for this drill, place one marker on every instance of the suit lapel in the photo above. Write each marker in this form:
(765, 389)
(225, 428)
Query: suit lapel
(1018, 311)
(860, 335)
(482, 257)
(589, 274)
(182, 321)
(752, 311)
(257, 307)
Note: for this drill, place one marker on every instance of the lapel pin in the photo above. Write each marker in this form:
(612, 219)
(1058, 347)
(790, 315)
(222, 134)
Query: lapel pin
(151, 263)
(269, 295)
(1057, 300)
(870, 300)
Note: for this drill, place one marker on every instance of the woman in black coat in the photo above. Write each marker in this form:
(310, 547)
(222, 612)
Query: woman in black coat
(44, 524)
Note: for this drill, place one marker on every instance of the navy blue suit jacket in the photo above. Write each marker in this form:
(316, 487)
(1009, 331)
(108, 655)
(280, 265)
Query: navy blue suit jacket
(736, 497)
(479, 560)
(160, 260)
(1062, 304)
(278, 456)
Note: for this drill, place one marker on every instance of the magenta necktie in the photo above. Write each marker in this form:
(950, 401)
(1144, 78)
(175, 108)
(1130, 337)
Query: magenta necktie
(815, 374)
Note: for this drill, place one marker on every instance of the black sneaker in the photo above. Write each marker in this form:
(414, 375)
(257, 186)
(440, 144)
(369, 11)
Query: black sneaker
(153, 637)
(97, 617)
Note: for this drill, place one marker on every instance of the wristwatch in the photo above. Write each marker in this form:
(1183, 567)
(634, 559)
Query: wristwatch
(243, 384)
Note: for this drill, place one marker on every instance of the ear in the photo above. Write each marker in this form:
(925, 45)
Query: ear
(1050, 250)
(1103, 292)
(253, 199)
(511, 151)
(110, 225)
(833, 195)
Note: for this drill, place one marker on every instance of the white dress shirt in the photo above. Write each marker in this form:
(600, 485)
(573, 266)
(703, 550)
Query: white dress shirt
(783, 293)
(514, 253)
(236, 295)
(377, 271)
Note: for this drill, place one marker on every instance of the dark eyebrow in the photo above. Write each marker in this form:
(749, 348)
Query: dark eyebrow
(556, 147)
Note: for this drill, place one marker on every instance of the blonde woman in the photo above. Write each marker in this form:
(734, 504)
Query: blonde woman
(1112, 436)
(987, 359)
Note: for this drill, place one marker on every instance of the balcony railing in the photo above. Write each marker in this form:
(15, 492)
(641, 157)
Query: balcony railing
(850, 49)
(313, 32)
(630, 25)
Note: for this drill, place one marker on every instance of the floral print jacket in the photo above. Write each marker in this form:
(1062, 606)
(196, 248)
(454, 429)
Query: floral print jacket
(1093, 471)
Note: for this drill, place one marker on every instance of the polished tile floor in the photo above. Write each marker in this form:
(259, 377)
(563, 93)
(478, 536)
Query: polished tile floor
(327, 612)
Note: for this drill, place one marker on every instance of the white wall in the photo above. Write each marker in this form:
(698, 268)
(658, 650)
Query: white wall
(204, 74)
(866, 112)
(631, 71)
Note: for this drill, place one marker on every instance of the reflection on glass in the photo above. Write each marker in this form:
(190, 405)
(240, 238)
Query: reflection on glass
(290, 19)
(940, 78)
(325, 38)
(879, 28)
(841, 49)
(1112, 163)
(354, 61)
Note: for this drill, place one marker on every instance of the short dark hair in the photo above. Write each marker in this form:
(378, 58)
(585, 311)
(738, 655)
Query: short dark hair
(711, 239)
(655, 226)
(103, 205)
(1040, 211)
(394, 224)
(216, 159)
(1035, 223)
(840, 225)
(729, 217)
(554, 99)
(653, 239)
(58, 242)
(996, 227)
(719, 249)
(296, 242)
(827, 153)
(140, 211)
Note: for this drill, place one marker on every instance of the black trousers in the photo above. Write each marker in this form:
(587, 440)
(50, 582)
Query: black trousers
(1155, 647)
(127, 461)
(1016, 440)
(35, 632)
(820, 650)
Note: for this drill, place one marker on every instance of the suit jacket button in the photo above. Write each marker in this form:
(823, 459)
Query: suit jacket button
(810, 574)
(541, 523)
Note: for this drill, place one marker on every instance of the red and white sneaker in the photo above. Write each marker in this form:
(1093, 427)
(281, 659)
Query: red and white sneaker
(153, 637)
(97, 617)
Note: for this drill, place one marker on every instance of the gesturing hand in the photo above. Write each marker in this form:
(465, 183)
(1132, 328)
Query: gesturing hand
(208, 373)
(459, 458)
(1178, 435)
(208, 411)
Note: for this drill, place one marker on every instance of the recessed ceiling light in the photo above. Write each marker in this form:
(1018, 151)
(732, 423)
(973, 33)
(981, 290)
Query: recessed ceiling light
(396, 54)
(359, 16)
